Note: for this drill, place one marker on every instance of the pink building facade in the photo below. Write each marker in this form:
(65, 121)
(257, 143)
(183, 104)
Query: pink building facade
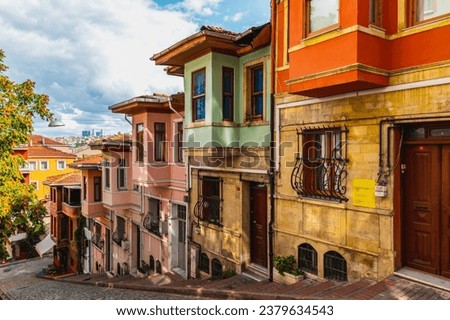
(151, 217)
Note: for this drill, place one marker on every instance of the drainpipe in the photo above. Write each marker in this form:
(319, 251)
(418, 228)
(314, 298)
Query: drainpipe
(272, 143)
(175, 111)
(128, 120)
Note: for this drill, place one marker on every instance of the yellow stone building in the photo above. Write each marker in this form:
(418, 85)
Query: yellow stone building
(45, 161)
(363, 140)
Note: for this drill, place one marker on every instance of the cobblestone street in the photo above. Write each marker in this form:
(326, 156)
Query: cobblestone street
(20, 283)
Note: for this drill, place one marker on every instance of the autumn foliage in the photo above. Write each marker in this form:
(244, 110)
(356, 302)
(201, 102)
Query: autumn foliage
(19, 105)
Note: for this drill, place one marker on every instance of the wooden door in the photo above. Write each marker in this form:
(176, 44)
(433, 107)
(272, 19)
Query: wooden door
(258, 224)
(445, 212)
(181, 214)
(422, 207)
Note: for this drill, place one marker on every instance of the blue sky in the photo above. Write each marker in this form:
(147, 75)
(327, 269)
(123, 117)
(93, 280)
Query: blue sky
(87, 55)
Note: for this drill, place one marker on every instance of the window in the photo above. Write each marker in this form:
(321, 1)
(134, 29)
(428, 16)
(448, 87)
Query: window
(427, 9)
(64, 228)
(216, 268)
(198, 95)
(160, 141)
(107, 174)
(320, 172)
(122, 175)
(321, 14)
(204, 263)
(70, 229)
(227, 93)
(181, 215)
(208, 206)
(97, 189)
(256, 95)
(307, 258)
(375, 12)
(140, 142)
(151, 220)
(43, 165)
(85, 190)
(32, 165)
(335, 266)
(97, 236)
(179, 142)
(61, 164)
(119, 234)
(72, 196)
(35, 184)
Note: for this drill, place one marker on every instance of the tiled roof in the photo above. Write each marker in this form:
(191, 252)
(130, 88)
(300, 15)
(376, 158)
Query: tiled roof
(72, 178)
(92, 160)
(47, 152)
(123, 138)
(217, 30)
(38, 140)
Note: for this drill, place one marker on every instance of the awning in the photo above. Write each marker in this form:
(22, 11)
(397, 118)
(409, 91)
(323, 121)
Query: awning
(45, 245)
(17, 237)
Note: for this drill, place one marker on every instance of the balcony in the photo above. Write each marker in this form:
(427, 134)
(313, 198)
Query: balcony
(152, 224)
(345, 63)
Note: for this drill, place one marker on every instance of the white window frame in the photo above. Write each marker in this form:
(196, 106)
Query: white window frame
(40, 165)
(29, 165)
(175, 142)
(60, 161)
(35, 183)
(122, 169)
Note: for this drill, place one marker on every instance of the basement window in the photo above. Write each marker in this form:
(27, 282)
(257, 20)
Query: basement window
(204, 263)
(335, 266)
(307, 258)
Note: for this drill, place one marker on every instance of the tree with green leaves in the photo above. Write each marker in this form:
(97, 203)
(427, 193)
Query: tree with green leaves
(19, 209)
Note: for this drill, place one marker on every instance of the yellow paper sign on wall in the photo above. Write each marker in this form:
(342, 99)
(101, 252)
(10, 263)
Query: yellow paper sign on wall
(364, 193)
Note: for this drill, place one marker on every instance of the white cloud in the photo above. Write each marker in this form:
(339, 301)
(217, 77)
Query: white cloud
(235, 18)
(201, 7)
(90, 54)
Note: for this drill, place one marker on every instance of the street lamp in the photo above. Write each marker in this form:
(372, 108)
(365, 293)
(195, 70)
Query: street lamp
(56, 123)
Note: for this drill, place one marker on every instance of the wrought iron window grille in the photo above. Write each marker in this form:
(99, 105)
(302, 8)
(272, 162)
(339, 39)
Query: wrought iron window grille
(98, 241)
(117, 237)
(307, 258)
(320, 170)
(335, 266)
(209, 206)
(151, 224)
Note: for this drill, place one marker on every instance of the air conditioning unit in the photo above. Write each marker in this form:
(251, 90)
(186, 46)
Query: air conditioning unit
(125, 245)
(163, 227)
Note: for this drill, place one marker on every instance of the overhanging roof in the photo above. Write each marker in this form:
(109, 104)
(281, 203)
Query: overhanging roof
(209, 39)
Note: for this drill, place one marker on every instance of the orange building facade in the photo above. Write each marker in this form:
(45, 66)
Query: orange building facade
(362, 134)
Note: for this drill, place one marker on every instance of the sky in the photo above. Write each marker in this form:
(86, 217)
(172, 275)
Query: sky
(87, 55)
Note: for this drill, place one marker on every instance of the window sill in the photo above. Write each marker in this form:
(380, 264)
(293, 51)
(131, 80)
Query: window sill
(322, 31)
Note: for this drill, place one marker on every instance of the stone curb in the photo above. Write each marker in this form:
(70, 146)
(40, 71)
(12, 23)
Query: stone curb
(196, 292)
(4, 295)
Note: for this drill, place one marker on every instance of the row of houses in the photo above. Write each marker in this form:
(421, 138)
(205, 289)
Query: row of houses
(324, 135)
